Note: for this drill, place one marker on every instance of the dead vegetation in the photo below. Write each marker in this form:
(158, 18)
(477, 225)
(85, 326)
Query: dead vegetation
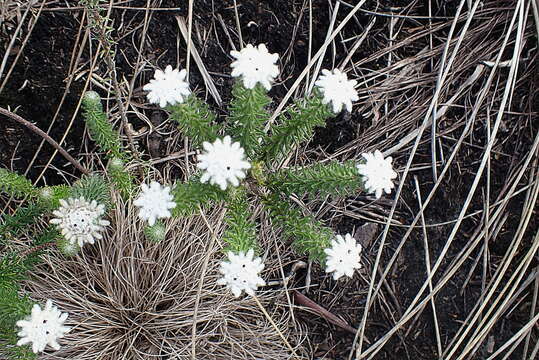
(132, 299)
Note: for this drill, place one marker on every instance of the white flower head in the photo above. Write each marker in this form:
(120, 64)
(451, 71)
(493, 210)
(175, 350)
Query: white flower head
(168, 87)
(255, 65)
(377, 173)
(44, 326)
(241, 273)
(337, 90)
(79, 220)
(223, 163)
(343, 257)
(155, 202)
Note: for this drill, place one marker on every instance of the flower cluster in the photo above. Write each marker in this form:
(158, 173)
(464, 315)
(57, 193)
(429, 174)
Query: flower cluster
(343, 257)
(378, 173)
(337, 90)
(223, 163)
(168, 88)
(43, 327)
(80, 220)
(154, 202)
(255, 65)
(241, 273)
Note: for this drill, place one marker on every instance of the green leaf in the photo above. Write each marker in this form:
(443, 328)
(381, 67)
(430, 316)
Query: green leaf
(194, 120)
(156, 233)
(121, 178)
(13, 267)
(309, 236)
(49, 197)
(100, 128)
(189, 196)
(15, 185)
(247, 117)
(14, 224)
(12, 306)
(332, 178)
(240, 235)
(9, 348)
(296, 126)
(92, 187)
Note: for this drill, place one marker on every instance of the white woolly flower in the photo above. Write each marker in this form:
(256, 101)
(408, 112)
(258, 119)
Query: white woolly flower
(155, 202)
(377, 173)
(223, 163)
(168, 87)
(343, 256)
(337, 90)
(255, 65)
(43, 327)
(79, 220)
(240, 273)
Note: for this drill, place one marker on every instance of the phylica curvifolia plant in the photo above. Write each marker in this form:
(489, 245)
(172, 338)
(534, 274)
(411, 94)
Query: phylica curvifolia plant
(240, 163)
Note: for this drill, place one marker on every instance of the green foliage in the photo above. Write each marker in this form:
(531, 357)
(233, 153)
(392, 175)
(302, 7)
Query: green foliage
(15, 185)
(248, 116)
(13, 308)
(19, 221)
(331, 178)
(297, 127)
(9, 348)
(308, 235)
(49, 197)
(156, 233)
(13, 265)
(121, 178)
(100, 128)
(194, 120)
(92, 187)
(189, 196)
(241, 232)
(13, 269)
(67, 248)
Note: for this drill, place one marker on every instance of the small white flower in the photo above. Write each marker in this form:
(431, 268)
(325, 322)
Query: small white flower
(240, 273)
(224, 162)
(79, 220)
(168, 87)
(255, 65)
(155, 202)
(337, 90)
(343, 256)
(377, 173)
(43, 327)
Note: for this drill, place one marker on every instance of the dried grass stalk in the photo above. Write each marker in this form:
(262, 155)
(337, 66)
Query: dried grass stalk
(129, 298)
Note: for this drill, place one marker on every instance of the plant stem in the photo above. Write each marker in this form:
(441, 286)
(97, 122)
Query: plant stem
(37, 248)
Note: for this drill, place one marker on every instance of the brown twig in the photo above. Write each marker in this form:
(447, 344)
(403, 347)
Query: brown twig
(45, 136)
(320, 311)
(36, 248)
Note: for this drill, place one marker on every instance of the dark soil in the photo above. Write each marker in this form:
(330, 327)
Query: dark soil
(37, 85)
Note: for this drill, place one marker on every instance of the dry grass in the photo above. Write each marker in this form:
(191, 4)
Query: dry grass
(132, 299)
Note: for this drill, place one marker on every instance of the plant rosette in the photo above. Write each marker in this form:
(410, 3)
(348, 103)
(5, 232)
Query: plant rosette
(249, 154)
